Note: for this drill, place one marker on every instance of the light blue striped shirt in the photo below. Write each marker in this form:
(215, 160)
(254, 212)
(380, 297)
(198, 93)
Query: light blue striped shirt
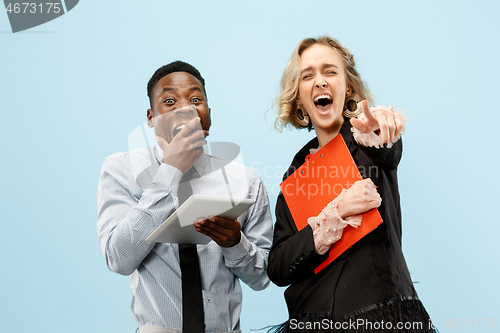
(136, 193)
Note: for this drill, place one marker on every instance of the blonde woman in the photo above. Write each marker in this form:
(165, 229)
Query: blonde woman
(368, 288)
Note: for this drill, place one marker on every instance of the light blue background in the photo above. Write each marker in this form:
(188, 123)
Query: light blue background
(72, 90)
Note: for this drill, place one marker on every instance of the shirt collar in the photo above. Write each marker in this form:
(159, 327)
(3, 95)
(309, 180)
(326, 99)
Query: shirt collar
(201, 164)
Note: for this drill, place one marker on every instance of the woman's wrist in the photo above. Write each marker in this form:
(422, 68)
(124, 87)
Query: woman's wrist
(328, 226)
(340, 209)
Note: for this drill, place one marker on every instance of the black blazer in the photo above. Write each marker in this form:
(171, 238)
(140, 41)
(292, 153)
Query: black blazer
(372, 271)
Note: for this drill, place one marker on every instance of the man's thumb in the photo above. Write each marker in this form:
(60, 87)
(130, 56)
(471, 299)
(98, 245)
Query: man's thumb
(161, 142)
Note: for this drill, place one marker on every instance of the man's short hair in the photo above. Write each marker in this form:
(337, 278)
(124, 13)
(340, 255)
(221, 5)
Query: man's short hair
(176, 66)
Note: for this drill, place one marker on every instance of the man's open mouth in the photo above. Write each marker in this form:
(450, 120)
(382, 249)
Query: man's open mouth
(177, 129)
(323, 102)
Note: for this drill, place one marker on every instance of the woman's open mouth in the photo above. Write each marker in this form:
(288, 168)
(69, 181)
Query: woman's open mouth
(323, 102)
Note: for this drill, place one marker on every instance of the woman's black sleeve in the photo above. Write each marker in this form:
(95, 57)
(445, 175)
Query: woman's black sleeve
(292, 257)
(386, 157)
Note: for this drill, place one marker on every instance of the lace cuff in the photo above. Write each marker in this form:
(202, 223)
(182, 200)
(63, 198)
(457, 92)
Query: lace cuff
(328, 226)
(373, 140)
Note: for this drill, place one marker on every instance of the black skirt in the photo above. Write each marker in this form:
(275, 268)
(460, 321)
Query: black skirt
(397, 315)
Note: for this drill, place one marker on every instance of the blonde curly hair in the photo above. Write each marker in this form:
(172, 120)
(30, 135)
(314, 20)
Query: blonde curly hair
(287, 111)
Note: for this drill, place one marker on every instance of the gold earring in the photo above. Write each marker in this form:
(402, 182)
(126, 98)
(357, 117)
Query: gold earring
(302, 116)
(352, 106)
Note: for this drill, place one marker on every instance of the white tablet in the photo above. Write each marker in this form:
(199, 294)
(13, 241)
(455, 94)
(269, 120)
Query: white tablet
(179, 228)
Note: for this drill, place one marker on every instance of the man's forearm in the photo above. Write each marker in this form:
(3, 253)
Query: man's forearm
(124, 222)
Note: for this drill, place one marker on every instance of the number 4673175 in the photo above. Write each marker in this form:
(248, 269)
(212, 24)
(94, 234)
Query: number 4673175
(26, 7)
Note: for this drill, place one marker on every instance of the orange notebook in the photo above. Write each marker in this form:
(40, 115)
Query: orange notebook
(320, 180)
